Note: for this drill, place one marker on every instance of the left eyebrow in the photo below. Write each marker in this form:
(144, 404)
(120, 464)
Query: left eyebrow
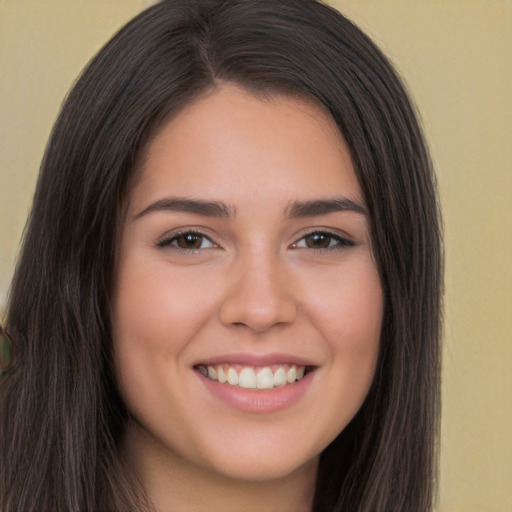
(299, 209)
(182, 204)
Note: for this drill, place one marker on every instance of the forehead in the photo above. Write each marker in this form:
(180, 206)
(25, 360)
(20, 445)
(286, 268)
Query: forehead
(279, 145)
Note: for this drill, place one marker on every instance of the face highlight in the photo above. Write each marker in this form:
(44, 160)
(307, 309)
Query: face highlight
(247, 306)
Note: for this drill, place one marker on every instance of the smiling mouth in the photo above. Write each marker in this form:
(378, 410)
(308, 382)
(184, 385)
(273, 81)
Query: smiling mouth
(255, 377)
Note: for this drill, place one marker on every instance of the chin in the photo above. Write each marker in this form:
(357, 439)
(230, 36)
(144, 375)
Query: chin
(260, 462)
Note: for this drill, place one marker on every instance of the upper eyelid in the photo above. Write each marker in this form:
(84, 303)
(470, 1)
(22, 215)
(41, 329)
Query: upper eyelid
(333, 232)
(172, 235)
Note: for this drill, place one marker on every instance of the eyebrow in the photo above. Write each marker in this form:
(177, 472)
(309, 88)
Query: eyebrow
(299, 209)
(206, 208)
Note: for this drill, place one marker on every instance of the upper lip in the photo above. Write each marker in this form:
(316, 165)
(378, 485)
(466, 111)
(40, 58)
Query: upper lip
(253, 359)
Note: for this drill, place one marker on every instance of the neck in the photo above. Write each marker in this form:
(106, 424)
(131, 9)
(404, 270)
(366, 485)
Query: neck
(173, 483)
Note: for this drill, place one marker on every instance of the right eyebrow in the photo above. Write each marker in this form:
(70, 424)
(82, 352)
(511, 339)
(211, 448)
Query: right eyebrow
(299, 209)
(182, 204)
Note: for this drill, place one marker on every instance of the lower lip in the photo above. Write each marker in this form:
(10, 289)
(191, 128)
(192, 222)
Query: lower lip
(255, 400)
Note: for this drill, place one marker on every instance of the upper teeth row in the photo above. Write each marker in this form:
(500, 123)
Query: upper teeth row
(251, 378)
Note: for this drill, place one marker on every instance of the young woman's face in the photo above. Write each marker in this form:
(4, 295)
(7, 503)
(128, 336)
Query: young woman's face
(247, 306)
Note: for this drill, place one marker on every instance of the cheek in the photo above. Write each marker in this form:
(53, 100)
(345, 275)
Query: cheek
(348, 313)
(158, 309)
(155, 315)
(348, 306)
(356, 335)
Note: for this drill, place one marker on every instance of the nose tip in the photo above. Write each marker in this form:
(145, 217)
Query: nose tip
(259, 300)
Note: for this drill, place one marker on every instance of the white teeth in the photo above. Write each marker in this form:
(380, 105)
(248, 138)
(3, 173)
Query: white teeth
(280, 377)
(232, 377)
(291, 375)
(265, 379)
(249, 377)
(221, 375)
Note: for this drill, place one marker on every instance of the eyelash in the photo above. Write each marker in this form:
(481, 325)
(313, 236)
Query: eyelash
(340, 242)
(169, 240)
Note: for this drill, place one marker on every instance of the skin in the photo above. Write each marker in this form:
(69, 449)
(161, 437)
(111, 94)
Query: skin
(257, 282)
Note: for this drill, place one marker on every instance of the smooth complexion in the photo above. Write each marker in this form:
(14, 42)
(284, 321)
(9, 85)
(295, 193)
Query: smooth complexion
(246, 245)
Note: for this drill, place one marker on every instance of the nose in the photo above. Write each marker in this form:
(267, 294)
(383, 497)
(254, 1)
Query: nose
(260, 295)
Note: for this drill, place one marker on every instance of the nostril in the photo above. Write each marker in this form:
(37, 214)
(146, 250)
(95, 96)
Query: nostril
(244, 309)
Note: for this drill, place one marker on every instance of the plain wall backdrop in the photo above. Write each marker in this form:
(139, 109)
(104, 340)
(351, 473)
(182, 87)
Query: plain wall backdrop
(456, 57)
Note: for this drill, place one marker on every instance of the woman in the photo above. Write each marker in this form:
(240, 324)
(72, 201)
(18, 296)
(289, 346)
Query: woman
(229, 290)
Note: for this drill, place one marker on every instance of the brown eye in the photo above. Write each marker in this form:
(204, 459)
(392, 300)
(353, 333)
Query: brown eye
(318, 241)
(189, 241)
(323, 241)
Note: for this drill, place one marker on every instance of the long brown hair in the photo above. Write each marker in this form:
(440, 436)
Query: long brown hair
(60, 412)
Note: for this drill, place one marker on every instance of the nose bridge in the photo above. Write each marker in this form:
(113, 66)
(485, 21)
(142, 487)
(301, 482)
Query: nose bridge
(259, 295)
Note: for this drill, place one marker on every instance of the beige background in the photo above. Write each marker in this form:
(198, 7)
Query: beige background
(456, 56)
